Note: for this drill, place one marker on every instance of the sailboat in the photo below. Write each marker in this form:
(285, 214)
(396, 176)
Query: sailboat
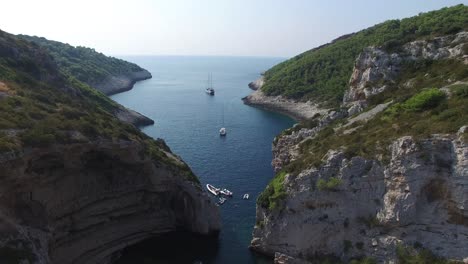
(209, 90)
(222, 131)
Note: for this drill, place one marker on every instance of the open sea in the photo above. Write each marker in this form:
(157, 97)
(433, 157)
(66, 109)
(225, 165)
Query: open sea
(188, 120)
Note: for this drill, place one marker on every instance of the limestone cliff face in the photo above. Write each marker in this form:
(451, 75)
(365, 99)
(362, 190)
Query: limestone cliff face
(420, 196)
(83, 202)
(375, 68)
(416, 195)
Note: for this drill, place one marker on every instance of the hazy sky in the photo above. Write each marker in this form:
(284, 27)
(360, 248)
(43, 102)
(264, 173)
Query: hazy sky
(203, 27)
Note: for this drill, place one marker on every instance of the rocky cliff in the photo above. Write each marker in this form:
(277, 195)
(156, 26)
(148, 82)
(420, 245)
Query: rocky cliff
(82, 203)
(77, 185)
(418, 198)
(375, 69)
(384, 177)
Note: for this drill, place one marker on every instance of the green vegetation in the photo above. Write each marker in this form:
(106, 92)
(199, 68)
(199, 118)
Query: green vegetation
(424, 100)
(416, 111)
(328, 185)
(45, 105)
(408, 255)
(322, 74)
(274, 193)
(370, 221)
(85, 64)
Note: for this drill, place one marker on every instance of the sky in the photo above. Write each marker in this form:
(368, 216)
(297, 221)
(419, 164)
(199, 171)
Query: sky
(279, 28)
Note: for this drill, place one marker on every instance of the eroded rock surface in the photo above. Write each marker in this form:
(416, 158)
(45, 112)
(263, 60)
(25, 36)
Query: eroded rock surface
(82, 203)
(420, 196)
(375, 68)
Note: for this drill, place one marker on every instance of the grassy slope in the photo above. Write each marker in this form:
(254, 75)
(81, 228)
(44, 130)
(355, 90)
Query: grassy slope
(45, 105)
(322, 74)
(85, 64)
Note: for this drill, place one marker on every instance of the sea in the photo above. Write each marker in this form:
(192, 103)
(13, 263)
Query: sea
(189, 120)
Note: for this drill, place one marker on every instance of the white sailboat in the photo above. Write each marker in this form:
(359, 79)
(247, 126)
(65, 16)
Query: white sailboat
(209, 89)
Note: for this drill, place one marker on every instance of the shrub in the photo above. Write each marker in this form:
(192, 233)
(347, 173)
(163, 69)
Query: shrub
(330, 185)
(460, 90)
(424, 100)
(273, 195)
(408, 255)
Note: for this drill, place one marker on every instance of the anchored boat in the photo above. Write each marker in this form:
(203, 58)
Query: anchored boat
(209, 90)
(226, 192)
(212, 189)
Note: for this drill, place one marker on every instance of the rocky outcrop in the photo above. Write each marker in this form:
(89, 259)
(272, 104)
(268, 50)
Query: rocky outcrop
(257, 84)
(132, 117)
(418, 198)
(83, 202)
(122, 83)
(376, 68)
(294, 109)
(286, 146)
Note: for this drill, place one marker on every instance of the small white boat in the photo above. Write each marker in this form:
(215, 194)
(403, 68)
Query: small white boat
(246, 196)
(222, 131)
(212, 189)
(222, 200)
(226, 192)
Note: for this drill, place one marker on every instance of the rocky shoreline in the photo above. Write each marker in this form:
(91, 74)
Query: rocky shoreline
(297, 110)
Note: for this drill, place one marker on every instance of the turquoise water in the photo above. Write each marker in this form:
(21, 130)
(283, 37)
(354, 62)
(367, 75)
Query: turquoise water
(189, 120)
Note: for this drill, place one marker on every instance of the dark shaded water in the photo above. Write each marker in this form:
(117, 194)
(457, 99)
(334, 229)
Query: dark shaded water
(189, 120)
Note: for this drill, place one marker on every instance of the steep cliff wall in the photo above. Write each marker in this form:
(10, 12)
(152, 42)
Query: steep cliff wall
(418, 198)
(85, 202)
(382, 175)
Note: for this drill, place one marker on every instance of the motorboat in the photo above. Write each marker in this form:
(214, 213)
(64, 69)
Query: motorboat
(212, 189)
(246, 196)
(226, 192)
(222, 131)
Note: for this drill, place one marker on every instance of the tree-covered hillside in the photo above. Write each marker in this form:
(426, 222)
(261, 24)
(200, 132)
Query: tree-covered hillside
(85, 64)
(322, 74)
(41, 105)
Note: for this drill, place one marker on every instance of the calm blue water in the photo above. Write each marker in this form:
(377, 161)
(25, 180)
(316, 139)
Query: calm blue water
(189, 120)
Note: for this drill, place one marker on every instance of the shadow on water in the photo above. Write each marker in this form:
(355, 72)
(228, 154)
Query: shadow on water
(172, 248)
